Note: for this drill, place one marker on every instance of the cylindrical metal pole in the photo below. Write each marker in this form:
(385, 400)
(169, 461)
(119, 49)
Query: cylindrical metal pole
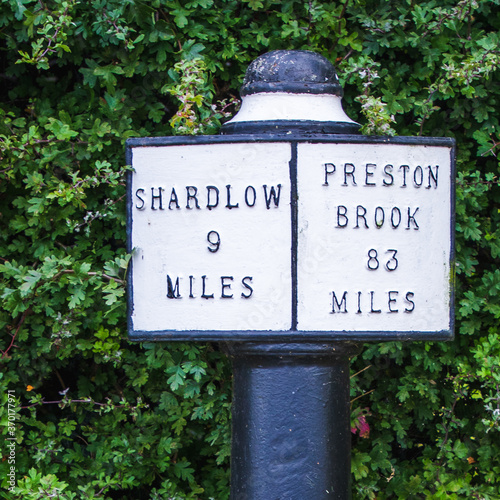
(291, 433)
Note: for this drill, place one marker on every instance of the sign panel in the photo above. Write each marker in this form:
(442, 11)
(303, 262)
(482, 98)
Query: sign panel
(329, 237)
(211, 237)
(374, 244)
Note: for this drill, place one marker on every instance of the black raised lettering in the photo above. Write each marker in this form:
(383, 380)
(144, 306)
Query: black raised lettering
(213, 239)
(173, 291)
(173, 199)
(343, 302)
(142, 200)
(418, 176)
(379, 217)
(359, 303)
(216, 202)
(192, 196)
(224, 286)
(349, 173)
(328, 172)
(191, 279)
(342, 214)
(247, 286)
(405, 168)
(391, 300)
(433, 176)
(411, 218)
(156, 197)
(204, 294)
(408, 297)
(387, 173)
(369, 173)
(228, 205)
(392, 263)
(254, 196)
(272, 195)
(395, 212)
(360, 214)
(372, 263)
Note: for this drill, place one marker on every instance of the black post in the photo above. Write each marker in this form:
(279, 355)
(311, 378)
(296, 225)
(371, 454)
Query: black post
(291, 431)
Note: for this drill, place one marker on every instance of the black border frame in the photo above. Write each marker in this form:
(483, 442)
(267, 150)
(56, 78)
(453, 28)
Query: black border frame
(292, 335)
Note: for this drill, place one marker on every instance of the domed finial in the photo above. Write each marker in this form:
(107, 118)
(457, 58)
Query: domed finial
(287, 91)
(294, 71)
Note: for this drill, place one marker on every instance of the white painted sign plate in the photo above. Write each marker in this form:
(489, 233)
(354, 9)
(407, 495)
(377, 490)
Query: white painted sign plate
(340, 237)
(221, 236)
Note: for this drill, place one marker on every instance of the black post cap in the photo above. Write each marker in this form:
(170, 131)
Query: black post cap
(293, 71)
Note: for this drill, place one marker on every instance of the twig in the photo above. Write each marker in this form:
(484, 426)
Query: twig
(68, 401)
(21, 321)
(364, 394)
(346, 3)
(361, 371)
(61, 381)
(53, 38)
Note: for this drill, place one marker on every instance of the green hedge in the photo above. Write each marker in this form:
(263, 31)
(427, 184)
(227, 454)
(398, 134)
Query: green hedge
(99, 417)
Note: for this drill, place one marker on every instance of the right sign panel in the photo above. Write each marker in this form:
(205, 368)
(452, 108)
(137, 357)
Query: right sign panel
(374, 231)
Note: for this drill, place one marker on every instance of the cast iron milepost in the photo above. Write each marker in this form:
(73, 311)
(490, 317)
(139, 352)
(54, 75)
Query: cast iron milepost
(291, 407)
(291, 239)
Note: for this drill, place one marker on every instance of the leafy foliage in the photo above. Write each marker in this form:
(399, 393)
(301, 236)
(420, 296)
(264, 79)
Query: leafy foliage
(102, 418)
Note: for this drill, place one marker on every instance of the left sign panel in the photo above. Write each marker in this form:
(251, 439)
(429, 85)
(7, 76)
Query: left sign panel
(210, 230)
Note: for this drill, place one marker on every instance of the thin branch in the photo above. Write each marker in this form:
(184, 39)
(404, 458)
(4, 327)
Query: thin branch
(346, 3)
(361, 371)
(68, 401)
(53, 38)
(347, 55)
(21, 321)
(61, 381)
(364, 394)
